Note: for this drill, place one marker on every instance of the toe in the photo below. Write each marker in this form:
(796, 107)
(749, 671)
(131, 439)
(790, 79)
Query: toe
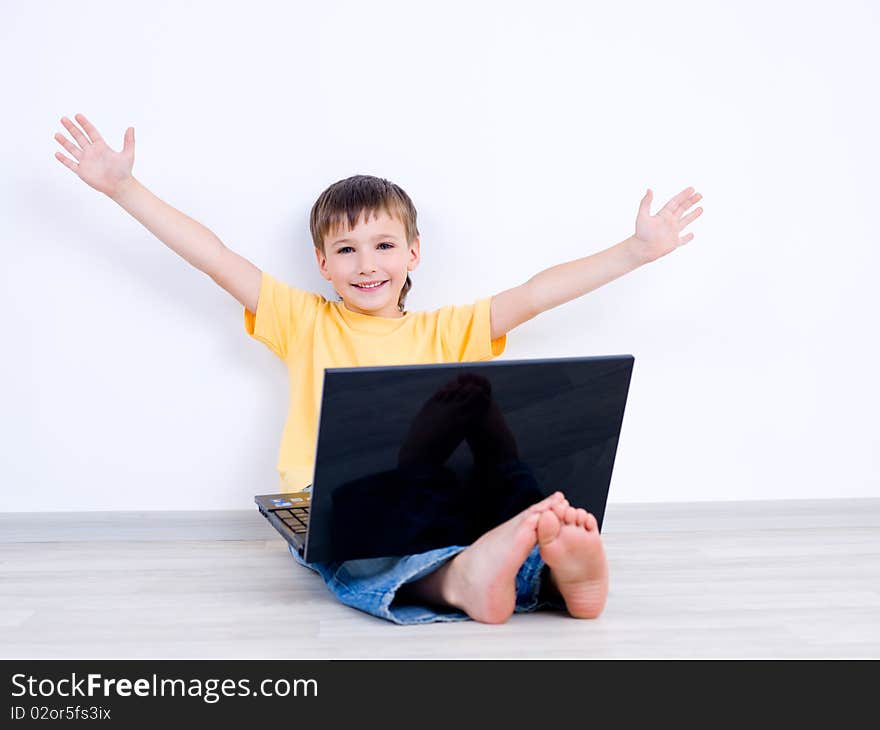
(559, 508)
(531, 520)
(570, 515)
(591, 523)
(546, 503)
(548, 527)
(581, 519)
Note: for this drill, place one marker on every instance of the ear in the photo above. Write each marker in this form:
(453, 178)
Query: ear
(322, 264)
(415, 256)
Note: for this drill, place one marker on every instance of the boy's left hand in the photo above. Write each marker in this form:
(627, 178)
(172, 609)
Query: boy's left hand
(657, 235)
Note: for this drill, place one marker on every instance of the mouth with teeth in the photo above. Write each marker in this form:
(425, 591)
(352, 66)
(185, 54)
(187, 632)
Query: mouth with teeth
(373, 286)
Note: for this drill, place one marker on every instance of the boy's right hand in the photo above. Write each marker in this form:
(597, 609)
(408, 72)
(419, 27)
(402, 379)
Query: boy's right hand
(96, 164)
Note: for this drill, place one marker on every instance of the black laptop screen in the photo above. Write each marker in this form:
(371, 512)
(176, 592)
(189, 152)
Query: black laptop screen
(412, 458)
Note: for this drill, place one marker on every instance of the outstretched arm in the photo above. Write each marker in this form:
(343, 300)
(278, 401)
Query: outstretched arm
(109, 172)
(655, 236)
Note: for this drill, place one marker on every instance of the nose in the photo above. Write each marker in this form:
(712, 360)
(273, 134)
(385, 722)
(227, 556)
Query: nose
(367, 266)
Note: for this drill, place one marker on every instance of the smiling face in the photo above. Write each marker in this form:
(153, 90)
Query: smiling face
(374, 251)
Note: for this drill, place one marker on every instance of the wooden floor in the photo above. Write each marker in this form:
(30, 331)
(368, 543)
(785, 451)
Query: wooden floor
(774, 579)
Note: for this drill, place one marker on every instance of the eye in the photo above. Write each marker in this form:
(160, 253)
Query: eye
(384, 243)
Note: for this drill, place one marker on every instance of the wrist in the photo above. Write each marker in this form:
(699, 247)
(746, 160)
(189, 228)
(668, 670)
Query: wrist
(634, 248)
(123, 189)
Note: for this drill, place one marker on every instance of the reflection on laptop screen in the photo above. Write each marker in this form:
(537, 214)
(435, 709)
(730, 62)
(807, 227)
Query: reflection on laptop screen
(411, 458)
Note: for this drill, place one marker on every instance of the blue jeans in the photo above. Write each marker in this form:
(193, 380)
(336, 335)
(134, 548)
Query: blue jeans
(370, 585)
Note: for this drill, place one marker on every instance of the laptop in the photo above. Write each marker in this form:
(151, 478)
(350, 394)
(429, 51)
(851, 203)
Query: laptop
(410, 458)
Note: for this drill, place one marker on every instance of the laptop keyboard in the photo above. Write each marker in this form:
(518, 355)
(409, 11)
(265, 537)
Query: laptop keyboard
(296, 519)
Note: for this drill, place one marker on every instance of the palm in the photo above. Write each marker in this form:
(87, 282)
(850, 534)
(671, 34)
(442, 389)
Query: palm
(657, 235)
(101, 167)
(96, 164)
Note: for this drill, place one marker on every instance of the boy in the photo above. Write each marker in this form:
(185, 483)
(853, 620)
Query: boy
(366, 243)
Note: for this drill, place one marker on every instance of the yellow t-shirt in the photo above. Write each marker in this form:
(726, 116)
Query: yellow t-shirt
(310, 333)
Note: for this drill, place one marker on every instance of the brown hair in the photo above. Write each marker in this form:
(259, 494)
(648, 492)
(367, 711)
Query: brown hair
(348, 199)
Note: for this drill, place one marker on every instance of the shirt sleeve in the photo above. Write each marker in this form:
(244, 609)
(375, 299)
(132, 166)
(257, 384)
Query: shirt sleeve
(283, 313)
(465, 332)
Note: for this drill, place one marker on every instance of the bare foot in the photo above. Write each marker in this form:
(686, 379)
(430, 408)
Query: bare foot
(481, 580)
(571, 547)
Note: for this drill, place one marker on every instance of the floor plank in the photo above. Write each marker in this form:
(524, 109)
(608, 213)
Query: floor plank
(787, 579)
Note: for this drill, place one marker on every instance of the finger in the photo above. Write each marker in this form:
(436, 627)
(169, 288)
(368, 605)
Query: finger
(73, 149)
(645, 205)
(690, 202)
(684, 239)
(673, 205)
(679, 200)
(691, 217)
(75, 133)
(66, 161)
(683, 196)
(90, 128)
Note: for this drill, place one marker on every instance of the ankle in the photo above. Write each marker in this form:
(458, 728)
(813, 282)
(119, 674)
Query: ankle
(432, 589)
(448, 583)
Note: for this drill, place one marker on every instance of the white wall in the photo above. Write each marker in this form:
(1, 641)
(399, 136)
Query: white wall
(526, 135)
